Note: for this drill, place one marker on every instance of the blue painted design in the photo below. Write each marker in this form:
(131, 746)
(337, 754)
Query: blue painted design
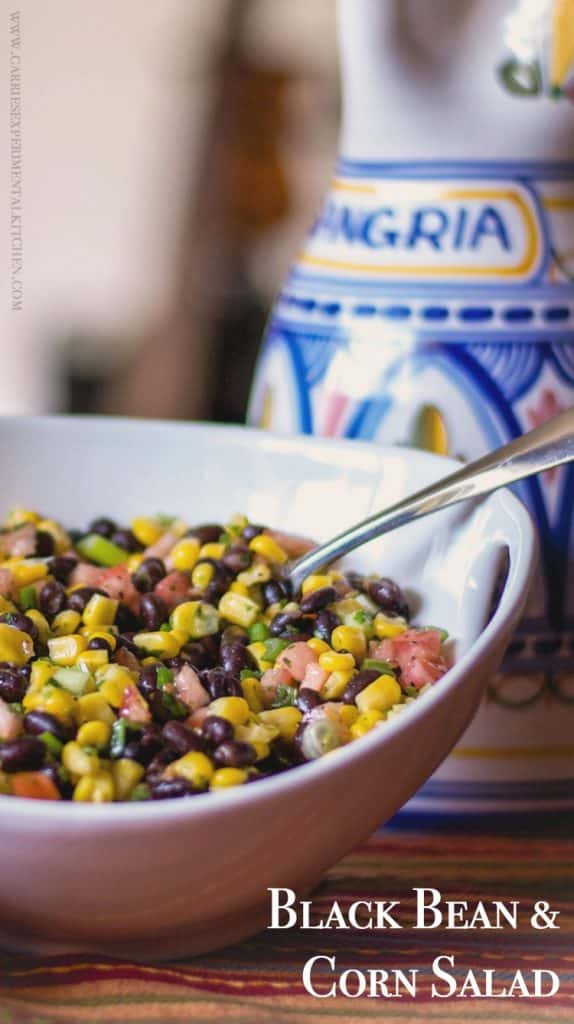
(476, 314)
(562, 356)
(515, 367)
(364, 310)
(538, 169)
(396, 312)
(435, 314)
(518, 314)
(556, 314)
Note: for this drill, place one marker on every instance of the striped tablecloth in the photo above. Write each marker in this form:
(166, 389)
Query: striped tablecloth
(260, 980)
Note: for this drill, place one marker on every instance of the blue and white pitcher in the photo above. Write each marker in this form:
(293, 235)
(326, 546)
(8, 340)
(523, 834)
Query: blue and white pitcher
(433, 305)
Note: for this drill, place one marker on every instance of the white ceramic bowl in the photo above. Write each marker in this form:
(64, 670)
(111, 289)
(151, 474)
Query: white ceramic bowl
(185, 876)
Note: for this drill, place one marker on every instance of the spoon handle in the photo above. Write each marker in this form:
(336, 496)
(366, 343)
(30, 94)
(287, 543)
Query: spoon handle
(545, 447)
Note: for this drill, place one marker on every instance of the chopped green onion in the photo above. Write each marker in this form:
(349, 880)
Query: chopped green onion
(258, 632)
(164, 676)
(118, 738)
(285, 696)
(27, 598)
(250, 673)
(273, 648)
(101, 550)
(410, 691)
(52, 744)
(176, 707)
(165, 627)
(384, 667)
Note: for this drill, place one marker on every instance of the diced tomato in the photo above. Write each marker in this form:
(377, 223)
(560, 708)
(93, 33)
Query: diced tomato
(197, 718)
(10, 722)
(173, 589)
(6, 583)
(418, 654)
(315, 677)
(296, 658)
(271, 679)
(188, 688)
(134, 707)
(34, 785)
(84, 575)
(292, 545)
(19, 543)
(117, 584)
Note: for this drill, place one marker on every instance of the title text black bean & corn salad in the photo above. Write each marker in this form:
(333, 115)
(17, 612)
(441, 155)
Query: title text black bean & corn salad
(164, 660)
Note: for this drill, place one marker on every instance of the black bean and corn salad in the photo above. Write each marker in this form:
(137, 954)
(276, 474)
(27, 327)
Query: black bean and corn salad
(162, 660)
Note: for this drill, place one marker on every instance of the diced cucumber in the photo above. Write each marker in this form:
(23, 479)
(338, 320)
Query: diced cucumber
(74, 680)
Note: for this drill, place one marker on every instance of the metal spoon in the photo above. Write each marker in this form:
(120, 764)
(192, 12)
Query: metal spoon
(545, 447)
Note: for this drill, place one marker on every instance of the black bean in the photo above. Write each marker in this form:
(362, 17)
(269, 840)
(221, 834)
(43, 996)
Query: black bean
(159, 762)
(150, 743)
(206, 533)
(355, 580)
(325, 623)
(53, 772)
(234, 634)
(149, 574)
(153, 611)
(21, 622)
(234, 754)
(24, 670)
(358, 683)
(105, 527)
(275, 591)
(237, 559)
(316, 600)
(182, 739)
(126, 620)
(389, 597)
(307, 699)
(52, 599)
(220, 683)
(216, 730)
(99, 643)
(234, 657)
(125, 640)
(210, 645)
(126, 540)
(36, 722)
(168, 789)
(192, 654)
(288, 620)
(251, 531)
(79, 598)
(44, 544)
(61, 566)
(134, 752)
(24, 754)
(12, 684)
(147, 682)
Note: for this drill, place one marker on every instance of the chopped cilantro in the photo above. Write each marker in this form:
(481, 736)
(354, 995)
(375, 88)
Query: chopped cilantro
(384, 667)
(285, 696)
(164, 676)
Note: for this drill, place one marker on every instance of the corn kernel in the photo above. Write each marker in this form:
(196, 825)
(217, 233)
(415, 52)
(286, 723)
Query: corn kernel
(126, 775)
(104, 633)
(236, 524)
(202, 575)
(268, 548)
(113, 692)
(258, 651)
(146, 530)
(380, 695)
(100, 611)
(41, 672)
(19, 516)
(97, 788)
(285, 719)
(26, 570)
(365, 722)
(350, 638)
(234, 709)
(112, 681)
(317, 645)
(185, 554)
(93, 707)
(262, 750)
(386, 628)
(94, 734)
(239, 588)
(165, 645)
(4, 784)
(256, 731)
(316, 582)
(253, 693)
(195, 619)
(65, 623)
(241, 611)
(55, 701)
(40, 622)
(259, 572)
(223, 778)
(133, 563)
(335, 685)
(90, 661)
(212, 551)
(195, 768)
(64, 650)
(332, 661)
(348, 714)
(15, 645)
(6, 606)
(61, 539)
(79, 762)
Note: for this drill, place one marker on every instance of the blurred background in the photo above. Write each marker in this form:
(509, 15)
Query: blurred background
(174, 154)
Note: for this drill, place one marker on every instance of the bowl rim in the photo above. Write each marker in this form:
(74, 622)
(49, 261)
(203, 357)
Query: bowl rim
(126, 816)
